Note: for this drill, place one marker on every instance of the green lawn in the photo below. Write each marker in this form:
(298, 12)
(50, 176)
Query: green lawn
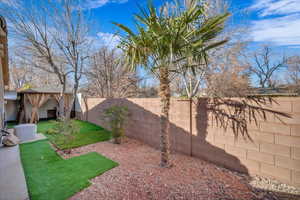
(89, 133)
(50, 177)
(11, 124)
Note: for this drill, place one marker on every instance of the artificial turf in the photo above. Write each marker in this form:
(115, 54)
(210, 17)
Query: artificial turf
(11, 124)
(88, 134)
(49, 177)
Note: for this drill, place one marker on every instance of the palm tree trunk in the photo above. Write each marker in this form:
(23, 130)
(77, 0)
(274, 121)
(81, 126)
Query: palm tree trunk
(164, 117)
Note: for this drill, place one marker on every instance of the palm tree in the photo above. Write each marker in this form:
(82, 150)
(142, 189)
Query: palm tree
(165, 37)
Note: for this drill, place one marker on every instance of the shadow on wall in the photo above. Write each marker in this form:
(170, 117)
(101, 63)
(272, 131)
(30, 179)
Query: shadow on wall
(144, 125)
(214, 121)
(204, 145)
(222, 128)
(217, 125)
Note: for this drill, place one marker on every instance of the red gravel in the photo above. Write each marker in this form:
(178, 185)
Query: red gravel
(138, 176)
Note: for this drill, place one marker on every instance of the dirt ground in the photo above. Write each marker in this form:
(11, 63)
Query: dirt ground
(138, 177)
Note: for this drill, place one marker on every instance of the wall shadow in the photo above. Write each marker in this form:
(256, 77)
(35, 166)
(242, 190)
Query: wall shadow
(220, 118)
(236, 114)
(144, 125)
(233, 116)
(203, 145)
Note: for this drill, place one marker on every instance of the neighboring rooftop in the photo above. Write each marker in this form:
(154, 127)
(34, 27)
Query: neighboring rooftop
(284, 90)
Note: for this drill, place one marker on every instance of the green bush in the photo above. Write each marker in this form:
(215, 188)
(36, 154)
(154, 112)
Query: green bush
(51, 131)
(117, 116)
(65, 129)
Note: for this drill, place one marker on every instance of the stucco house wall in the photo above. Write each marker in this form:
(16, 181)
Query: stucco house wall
(11, 110)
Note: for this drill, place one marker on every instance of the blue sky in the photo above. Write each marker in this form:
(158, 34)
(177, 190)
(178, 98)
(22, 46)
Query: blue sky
(274, 22)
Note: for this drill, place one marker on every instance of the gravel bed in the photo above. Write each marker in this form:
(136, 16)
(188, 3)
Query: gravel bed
(273, 185)
(139, 177)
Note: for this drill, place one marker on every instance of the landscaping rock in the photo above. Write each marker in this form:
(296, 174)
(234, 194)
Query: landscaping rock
(139, 176)
(11, 140)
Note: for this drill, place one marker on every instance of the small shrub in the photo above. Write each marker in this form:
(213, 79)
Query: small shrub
(117, 116)
(65, 129)
(51, 131)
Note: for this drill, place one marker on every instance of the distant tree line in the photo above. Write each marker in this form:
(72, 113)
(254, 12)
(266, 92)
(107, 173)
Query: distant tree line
(56, 51)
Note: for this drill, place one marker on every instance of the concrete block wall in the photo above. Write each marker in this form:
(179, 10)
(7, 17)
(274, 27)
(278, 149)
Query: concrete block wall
(272, 149)
(270, 153)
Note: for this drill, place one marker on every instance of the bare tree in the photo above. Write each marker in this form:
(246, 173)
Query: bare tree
(54, 38)
(71, 36)
(224, 73)
(107, 76)
(147, 87)
(25, 75)
(264, 69)
(31, 28)
(293, 70)
(228, 74)
(227, 82)
(3, 66)
(191, 72)
(20, 76)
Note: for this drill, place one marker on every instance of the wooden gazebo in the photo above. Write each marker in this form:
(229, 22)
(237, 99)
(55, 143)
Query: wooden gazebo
(37, 97)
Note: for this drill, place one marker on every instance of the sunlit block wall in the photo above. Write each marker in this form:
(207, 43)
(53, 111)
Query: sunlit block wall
(272, 148)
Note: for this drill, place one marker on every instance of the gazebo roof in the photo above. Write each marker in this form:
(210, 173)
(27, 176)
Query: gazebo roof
(44, 90)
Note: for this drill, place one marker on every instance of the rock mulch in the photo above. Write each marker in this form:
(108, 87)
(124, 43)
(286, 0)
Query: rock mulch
(139, 177)
(282, 190)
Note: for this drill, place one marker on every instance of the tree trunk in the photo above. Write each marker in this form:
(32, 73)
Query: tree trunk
(1, 97)
(164, 117)
(61, 103)
(68, 112)
(4, 79)
(75, 90)
(191, 125)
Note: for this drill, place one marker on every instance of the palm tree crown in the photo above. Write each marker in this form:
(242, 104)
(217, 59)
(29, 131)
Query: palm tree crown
(165, 36)
(168, 37)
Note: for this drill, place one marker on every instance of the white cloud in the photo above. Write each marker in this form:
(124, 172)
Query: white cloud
(85, 4)
(294, 47)
(278, 23)
(281, 30)
(11, 3)
(107, 39)
(276, 7)
(91, 4)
